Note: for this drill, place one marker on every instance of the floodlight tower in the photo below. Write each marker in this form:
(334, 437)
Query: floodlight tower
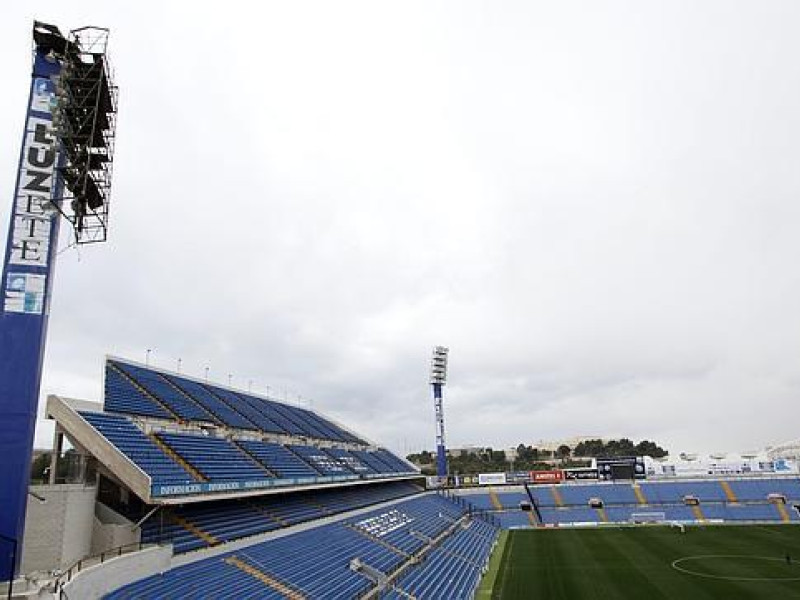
(64, 171)
(438, 380)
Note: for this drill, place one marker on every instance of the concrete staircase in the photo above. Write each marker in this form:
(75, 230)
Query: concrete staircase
(198, 476)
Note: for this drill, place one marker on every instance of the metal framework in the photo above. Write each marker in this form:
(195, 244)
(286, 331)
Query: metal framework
(84, 121)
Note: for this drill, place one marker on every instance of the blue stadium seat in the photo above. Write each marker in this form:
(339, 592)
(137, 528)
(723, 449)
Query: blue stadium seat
(213, 404)
(278, 459)
(315, 563)
(216, 458)
(121, 432)
(351, 461)
(158, 386)
(121, 396)
(246, 408)
(321, 461)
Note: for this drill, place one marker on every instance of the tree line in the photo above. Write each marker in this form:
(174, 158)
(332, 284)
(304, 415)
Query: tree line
(529, 458)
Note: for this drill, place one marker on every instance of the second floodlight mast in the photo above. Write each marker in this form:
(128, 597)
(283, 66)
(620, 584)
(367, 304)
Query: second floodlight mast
(438, 380)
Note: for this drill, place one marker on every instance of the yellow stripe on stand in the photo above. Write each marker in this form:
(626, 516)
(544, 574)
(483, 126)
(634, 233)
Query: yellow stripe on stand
(729, 494)
(495, 499)
(640, 498)
(266, 579)
(557, 496)
(698, 513)
(194, 529)
(166, 449)
(783, 512)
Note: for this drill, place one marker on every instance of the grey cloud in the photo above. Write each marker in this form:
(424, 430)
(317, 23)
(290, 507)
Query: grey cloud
(593, 205)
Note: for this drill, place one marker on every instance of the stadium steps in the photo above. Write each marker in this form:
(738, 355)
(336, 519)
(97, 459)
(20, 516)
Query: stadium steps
(193, 529)
(698, 513)
(378, 540)
(176, 457)
(225, 402)
(255, 460)
(640, 497)
(495, 499)
(601, 512)
(729, 493)
(191, 399)
(301, 459)
(325, 510)
(143, 391)
(268, 580)
(265, 511)
(557, 496)
(782, 511)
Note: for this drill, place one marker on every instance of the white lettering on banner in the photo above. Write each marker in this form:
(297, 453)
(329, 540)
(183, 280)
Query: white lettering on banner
(217, 487)
(170, 490)
(30, 235)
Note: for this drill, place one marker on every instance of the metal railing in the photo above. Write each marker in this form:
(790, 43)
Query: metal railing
(97, 559)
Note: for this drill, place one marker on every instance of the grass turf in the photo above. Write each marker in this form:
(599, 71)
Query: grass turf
(487, 584)
(734, 562)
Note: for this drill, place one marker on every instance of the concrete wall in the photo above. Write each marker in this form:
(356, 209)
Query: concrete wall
(82, 434)
(112, 530)
(97, 581)
(58, 531)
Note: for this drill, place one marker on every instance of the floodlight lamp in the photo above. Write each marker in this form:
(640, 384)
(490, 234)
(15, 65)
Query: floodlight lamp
(439, 365)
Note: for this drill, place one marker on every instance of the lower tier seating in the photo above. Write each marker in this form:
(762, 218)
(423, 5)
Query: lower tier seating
(650, 493)
(204, 524)
(411, 541)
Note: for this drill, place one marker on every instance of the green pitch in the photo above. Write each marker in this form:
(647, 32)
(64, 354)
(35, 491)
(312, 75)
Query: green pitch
(650, 563)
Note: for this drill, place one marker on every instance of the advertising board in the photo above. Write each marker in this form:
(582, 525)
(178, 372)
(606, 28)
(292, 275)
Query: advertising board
(491, 478)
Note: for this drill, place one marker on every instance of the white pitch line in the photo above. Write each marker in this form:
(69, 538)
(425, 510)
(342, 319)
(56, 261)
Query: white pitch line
(675, 566)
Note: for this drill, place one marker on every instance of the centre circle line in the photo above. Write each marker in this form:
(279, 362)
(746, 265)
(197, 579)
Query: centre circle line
(675, 565)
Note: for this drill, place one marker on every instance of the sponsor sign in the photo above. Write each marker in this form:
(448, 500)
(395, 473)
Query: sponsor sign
(32, 224)
(24, 293)
(555, 476)
(518, 477)
(491, 478)
(243, 486)
(580, 474)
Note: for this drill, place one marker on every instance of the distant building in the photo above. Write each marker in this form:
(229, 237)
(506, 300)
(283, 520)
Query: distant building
(465, 450)
(719, 463)
(553, 445)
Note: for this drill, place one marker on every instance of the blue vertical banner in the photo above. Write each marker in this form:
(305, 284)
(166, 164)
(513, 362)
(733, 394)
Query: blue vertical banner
(24, 301)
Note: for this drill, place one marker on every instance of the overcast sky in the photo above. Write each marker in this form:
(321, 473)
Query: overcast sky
(593, 204)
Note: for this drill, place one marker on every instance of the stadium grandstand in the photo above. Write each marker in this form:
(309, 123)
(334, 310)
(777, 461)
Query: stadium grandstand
(191, 489)
(690, 501)
(206, 491)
